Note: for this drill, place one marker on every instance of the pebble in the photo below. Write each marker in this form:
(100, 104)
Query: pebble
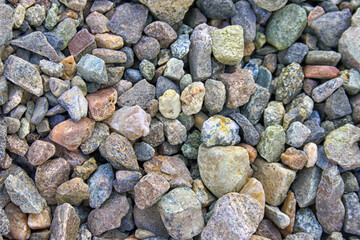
(143, 151)
(6, 22)
(350, 182)
(19, 228)
(255, 107)
(274, 113)
(289, 208)
(73, 192)
(66, 30)
(306, 221)
(320, 72)
(156, 134)
(140, 94)
(272, 143)
(228, 44)
(286, 25)
(35, 15)
(247, 131)
(352, 209)
(102, 104)
(52, 69)
(294, 54)
(169, 104)
(147, 48)
(40, 110)
(279, 218)
(348, 48)
(174, 69)
(40, 220)
(233, 157)
(174, 131)
(75, 103)
(270, 6)
(97, 22)
(92, 69)
(337, 105)
(109, 41)
(246, 18)
(126, 180)
(40, 151)
(293, 158)
(191, 145)
(318, 57)
(162, 32)
(297, 134)
(83, 42)
(192, 98)
(323, 91)
(147, 69)
(181, 46)
(215, 96)
(65, 223)
(180, 211)
(268, 230)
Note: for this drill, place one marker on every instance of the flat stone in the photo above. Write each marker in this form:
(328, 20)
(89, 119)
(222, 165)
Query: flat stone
(19, 228)
(180, 211)
(275, 187)
(83, 42)
(271, 6)
(76, 133)
(285, 26)
(6, 23)
(163, 84)
(318, 57)
(40, 151)
(306, 221)
(126, 180)
(320, 72)
(129, 21)
(348, 48)
(330, 210)
(109, 55)
(23, 74)
(75, 103)
(352, 210)
(272, 143)
(337, 105)
(235, 216)
(119, 152)
(73, 192)
(65, 223)
(233, 157)
(228, 44)
(323, 91)
(36, 42)
(92, 69)
(341, 146)
(140, 94)
(49, 176)
(279, 218)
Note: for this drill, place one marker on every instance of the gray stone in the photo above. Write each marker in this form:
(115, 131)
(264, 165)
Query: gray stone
(270, 5)
(180, 48)
(147, 48)
(65, 223)
(323, 91)
(35, 15)
(350, 182)
(215, 96)
(40, 110)
(150, 219)
(163, 84)
(272, 143)
(92, 69)
(174, 69)
(305, 221)
(327, 58)
(280, 219)
(245, 17)
(247, 131)
(217, 9)
(274, 114)
(352, 212)
(126, 180)
(147, 69)
(352, 86)
(143, 151)
(4, 223)
(140, 94)
(52, 69)
(3, 134)
(4, 93)
(6, 23)
(58, 86)
(349, 47)
(66, 30)
(337, 105)
(297, 134)
(295, 53)
(75, 103)
(174, 131)
(254, 109)
(100, 133)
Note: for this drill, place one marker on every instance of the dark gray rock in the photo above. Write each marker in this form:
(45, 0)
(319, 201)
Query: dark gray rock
(140, 94)
(305, 221)
(246, 18)
(40, 110)
(143, 151)
(295, 53)
(217, 9)
(337, 105)
(255, 107)
(352, 213)
(6, 23)
(247, 131)
(163, 84)
(126, 180)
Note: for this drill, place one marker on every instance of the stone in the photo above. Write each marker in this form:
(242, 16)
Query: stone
(23, 193)
(147, 69)
(228, 44)
(247, 131)
(109, 41)
(174, 131)
(268, 230)
(19, 228)
(174, 69)
(328, 196)
(352, 209)
(109, 55)
(83, 42)
(279, 218)
(36, 42)
(126, 180)
(6, 23)
(49, 176)
(235, 216)
(102, 103)
(171, 12)
(97, 22)
(129, 21)
(132, 122)
(272, 143)
(299, 236)
(295, 53)
(351, 86)
(40, 110)
(246, 18)
(274, 113)
(163, 84)
(276, 180)
(219, 130)
(162, 32)
(337, 105)
(192, 98)
(180, 211)
(66, 30)
(350, 182)
(320, 72)
(65, 223)
(341, 146)
(140, 94)
(200, 55)
(75, 103)
(215, 96)
(35, 15)
(40, 220)
(58, 86)
(290, 83)
(16, 145)
(100, 133)
(297, 134)
(28, 78)
(311, 152)
(285, 26)
(181, 46)
(76, 133)
(150, 189)
(156, 134)
(92, 69)
(219, 9)
(143, 151)
(173, 169)
(323, 91)
(239, 87)
(256, 105)
(318, 57)
(348, 48)
(202, 193)
(40, 151)
(293, 158)
(85, 170)
(5, 223)
(169, 104)
(271, 6)
(289, 208)
(234, 164)
(191, 145)
(305, 221)
(73, 192)
(118, 151)
(147, 48)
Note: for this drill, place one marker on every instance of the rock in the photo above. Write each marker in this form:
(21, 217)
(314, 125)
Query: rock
(268, 230)
(203, 195)
(350, 182)
(19, 228)
(40, 220)
(272, 143)
(200, 55)
(299, 236)
(132, 122)
(5, 223)
(271, 6)
(174, 131)
(174, 69)
(337, 105)
(293, 158)
(150, 220)
(109, 41)
(219, 9)
(219, 130)
(305, 221)
(28, 78)
(143, 151)
(215, 96)
(348, 48)
(82, 43)
(341, 146)
(6, 23)
(171, 12)
(289, 208)
(191, 145)
(102, 103)
(109, 55)
(192, 98)
(100, 133)
(126, 180)
(156, 133)
(85, 170)
(140, 94)
(181, 46)
(317, 57)
(162, 32)
(147, 69)
(173, 169)
(129, 21)
(77, 5)
(100, 185)
(286, 25)
(254, 109)
(66, 30)
(320, 72)
(228, 44)
(65, 223)
(352, 209)
(235, 216)
(118, 151)
(249, 133)
(169, 104)
(36, 42)
(73, 192)
(239, 88)
(92, 69)
(233, 157)
(75, 103)
(35, 15)
(297, 134)
(40, 151)
(276, 180)
(295, 53)
(180, 211)
(109, 215)
(49, 176)
(274, 114)
(76, 133)
(337, 21)
(246, 18)
(147, 48)
(323, 91)
(276, 216)
(150, 189)
(23, 193)
(97, 22)
(330, 190)
(51, 69)
(16, 145)
(290, 83)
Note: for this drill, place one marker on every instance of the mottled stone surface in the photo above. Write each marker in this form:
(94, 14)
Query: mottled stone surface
(92, 69)
(40, 220)
(150, 219)
(254, 109)
(272, 5)
(40, 151)
(162, 32)
(215, 96)
(100, 133)
(6, 23)
(348, 47)
(192, 98)
(140, 94)
(73, 192)
(290, 83)
(272, 143)
(75, 103)
(102, 103)
(352, 211)
(306, 221)
(65, 223)
(19, 228)
(126, 180)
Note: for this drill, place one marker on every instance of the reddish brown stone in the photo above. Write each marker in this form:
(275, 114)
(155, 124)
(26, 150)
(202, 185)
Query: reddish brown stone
(315, 13)
(249, 48)
(19, 228)
(74, 158)
(69, 67)
(83, 42)
(320, 72)
(110, 41)
(268, 229)
(68, 14)
(293, 158)
(16, 145)
(162, 32)
(251, 151)
(289, 208)
(70, 134)
(102, 103)
(147, 48)
(40, 151)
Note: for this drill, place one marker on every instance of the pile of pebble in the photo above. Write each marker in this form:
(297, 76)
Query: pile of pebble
(169, 119)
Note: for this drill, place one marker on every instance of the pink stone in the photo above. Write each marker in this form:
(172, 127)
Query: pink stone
(102, 103)
(315, 13)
